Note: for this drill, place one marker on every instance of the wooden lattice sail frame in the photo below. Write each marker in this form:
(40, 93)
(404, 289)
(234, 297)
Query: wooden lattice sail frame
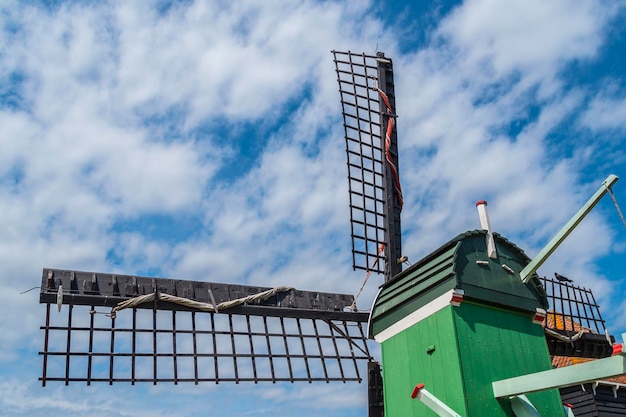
(367, 93)
(288, 335)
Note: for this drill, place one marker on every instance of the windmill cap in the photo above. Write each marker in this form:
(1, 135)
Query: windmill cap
(479, 202)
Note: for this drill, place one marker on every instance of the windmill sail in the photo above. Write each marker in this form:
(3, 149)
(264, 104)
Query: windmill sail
(574, 326)
(254, 335)
(366, 88)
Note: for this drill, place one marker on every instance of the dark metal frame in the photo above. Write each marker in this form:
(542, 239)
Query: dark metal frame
(107, 290)
(375, 401)
(572, 309)
(392, 208)
(293, 336)
(374, 207)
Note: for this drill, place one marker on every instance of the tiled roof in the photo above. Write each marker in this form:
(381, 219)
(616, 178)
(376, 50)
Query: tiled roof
(558, 321)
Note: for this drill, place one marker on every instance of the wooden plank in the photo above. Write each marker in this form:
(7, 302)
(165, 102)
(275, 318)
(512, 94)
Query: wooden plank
(495, 344)
(561, 377)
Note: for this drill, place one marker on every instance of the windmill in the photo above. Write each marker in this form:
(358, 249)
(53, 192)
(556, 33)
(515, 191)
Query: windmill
(441, 322)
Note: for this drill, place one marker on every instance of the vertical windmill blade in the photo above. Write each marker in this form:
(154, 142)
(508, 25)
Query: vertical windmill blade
(367, 95)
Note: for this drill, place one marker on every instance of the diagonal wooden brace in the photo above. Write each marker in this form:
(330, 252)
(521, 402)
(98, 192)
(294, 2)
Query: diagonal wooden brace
(433, 402)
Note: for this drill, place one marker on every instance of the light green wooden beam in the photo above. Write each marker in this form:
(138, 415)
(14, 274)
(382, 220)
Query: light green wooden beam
(562, 377)
(541, 257)
(522, 407)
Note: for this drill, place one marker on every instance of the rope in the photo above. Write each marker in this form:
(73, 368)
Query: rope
(197, 305)
(34, 288)
(619, 212)
(394, 170)
(381, 248)
(559, 336)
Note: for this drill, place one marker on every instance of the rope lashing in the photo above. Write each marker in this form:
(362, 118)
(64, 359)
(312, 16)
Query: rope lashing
(197, 305)
(563, 338)
(381, 249)
(394, 170)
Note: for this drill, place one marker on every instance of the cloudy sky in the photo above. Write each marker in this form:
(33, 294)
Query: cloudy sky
(202, 140)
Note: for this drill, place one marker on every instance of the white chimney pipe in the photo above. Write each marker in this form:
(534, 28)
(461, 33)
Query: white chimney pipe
(484, 223)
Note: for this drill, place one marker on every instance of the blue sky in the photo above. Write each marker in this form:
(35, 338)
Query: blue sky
(203, 141)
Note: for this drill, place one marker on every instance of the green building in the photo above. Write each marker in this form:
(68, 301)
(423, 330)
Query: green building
(457, 321)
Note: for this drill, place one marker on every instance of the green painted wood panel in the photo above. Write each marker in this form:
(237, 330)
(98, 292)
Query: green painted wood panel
(407, 361)
(382, 321)
(492, 283)
(474, 345)
(496, 344)
(403, 288)
(452, 266)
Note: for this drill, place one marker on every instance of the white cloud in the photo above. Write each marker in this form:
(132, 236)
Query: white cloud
(605, 112)
(533, 37)
(480, 75)
(126, 112)
(20, 398)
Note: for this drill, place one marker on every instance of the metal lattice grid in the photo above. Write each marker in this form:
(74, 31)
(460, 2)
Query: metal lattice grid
(358, 76)
(573, 308)
(143, 345)
(123, 328)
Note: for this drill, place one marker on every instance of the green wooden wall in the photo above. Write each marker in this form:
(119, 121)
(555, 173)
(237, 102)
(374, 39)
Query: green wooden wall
(407, 362)
(474, 345)
(495, 344)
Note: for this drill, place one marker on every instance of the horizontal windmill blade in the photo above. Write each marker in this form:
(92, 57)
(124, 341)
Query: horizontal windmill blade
(120, 328)
(367, 96)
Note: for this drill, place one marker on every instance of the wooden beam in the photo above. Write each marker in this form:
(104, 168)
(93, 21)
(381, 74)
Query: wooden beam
(541, 257)
(561, 377)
